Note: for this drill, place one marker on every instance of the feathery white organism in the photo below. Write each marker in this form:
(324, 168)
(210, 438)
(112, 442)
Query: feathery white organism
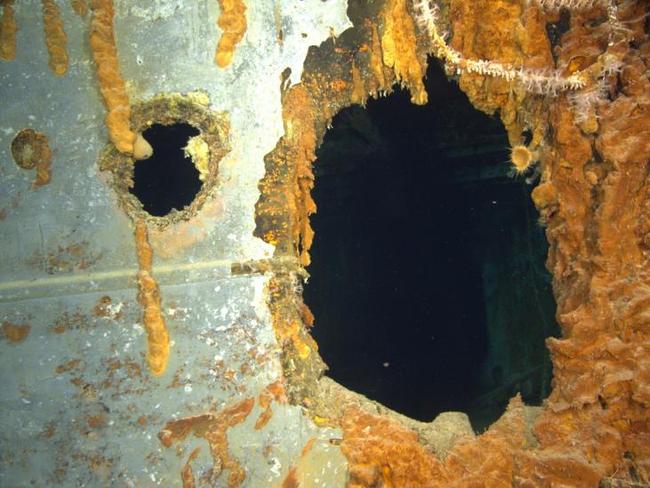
(570, 4)
(543, 82)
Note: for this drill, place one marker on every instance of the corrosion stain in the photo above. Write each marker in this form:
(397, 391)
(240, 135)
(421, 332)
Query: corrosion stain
(107, 310)
(8, 30)
(232, 22)
(291, 479)
(68, 366)
(111, 84)
(55, 38)
(15, 333)
(30, 149)
(64, 259)
(96, 421)
(274, 391)
(213, 428)
(187, 475)
(149, 298)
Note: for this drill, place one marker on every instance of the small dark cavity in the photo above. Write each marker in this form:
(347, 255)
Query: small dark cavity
(167, 180)
(555, 30)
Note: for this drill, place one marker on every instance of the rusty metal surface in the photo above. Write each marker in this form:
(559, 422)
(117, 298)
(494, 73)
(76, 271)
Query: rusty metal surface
(79, 406)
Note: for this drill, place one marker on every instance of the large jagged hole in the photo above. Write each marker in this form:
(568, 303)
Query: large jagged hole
(169, 179)
(428, 281)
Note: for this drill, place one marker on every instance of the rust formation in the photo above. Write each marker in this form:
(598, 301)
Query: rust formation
(232, 22)
(214, 133)
(149, 297)
(8, 30)
(15, 333)
(55, 38)
(590, 132)
(273, 392)
(80, 7)
(584, 98)
(213, 428)
(111, 83)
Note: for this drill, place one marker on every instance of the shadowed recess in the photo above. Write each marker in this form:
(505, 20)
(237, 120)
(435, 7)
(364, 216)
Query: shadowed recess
(168, 179)
(428, 281)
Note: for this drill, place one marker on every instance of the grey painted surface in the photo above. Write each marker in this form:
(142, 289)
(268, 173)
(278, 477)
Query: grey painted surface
(76, 364)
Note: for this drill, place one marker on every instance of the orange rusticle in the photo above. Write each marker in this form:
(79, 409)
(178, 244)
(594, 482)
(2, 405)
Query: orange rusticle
(232, 22)
(149, 298)
(55, 38)
(399, 48)
(80, 7)
(8, 32)
(111, 84)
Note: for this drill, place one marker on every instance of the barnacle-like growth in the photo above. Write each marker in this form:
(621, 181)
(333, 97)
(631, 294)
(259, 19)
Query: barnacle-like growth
(543, 82)
(522, 158)
(199, 151)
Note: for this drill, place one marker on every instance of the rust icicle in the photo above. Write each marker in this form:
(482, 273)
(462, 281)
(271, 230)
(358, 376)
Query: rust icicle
(80, 7)
(232, 22)
(55, 38)
(8, 32)
(149, 298)
(111, 84)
